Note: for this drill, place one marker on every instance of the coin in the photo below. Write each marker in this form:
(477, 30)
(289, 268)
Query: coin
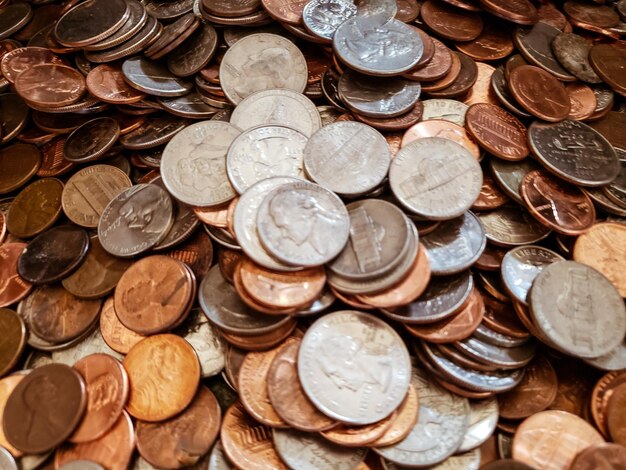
(615, 422)
(491, 197)
(157, 392)
(607, 61)
(597, 15)
(444, 109)
(582, 100)
(18, 60)
(599, 454)
(14, 287)
(497, 131)
(35, 208)
(14, 330)
(76, 27)
(91, 140)
(323, 17)
(493, 43)
(173, 34)
(153, 78)
(195, 53)
(451, 23)
(531, 85)
(443, 129)
(572, 52)
(50, 85)
(521, 12)
(114, 333)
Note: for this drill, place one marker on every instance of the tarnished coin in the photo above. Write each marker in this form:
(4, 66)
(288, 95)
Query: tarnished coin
(7, 385)
(135, 220)
(91, 140)
(282, 107)
(323, 17)
(137, 19)
(35, 208)
(13, 287)
(154, 78)
(578, 309)
(347, 376)
(172, 35)
(289, 12)
(264, 152)
(303, 224)
(13, 329)
(113, 332)
(19, 163)
(608, 62)
(194, 53)
(572, 51)
(262, 62)
(539, 93)
(589, 14)
(435, 178)
(76, 27)
(613, 455)
(521, 11)
(193, 165)
(14, 17)
(445, 130)
(450, 22)
(347, 158)
(50, 85)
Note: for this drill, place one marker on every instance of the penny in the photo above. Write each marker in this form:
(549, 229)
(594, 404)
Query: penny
(13, 330)
(70, 30)
(553, 426)
(355, 158)
(451, 23)
(499, 87)
(491, 197)
(18, 60)
(559, 205)
(437, 67)
(289, 12)
(50, 85)
(44, 408)
(597, 15)
(53, 254)
(184, 439)
(13, 288)
(106, 82)
(194, 53)
(358, 436)
(443, 109)
(91, 140)
(114, 333)
(521, 11)
(444, 129)
(497, 131)
(54, 164)
(572, 52)
(464, 81)
(607, 126)
(135, 220)
(153, 78)
(263, 341)
(582, 101)
(599, 248)
(453, 183)
(601, 396)
(157, 392)
(137, 19)
(7, 385)
(323, 17)
(615, 421)
(612, 455)
(12, 122)
(35, 208)
(262, 62)
(174, 32)
(539, 93)
(493, 43)
(608, 61)
(168, 10)
(247, 443)
(481, 91)
(226, 9)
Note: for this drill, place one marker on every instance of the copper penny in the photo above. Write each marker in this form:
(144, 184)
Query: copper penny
(497, 131)
(253, 303)
(35, 208)
(491, 258)
(215, 216)
(609, 456)
(112, 451)
(491, 197)
(13, 330)
(609, 62)
(459, 327)
(50, 85)
(520, 11)
(550, 14)
(582, 101)
(227, 9)
(181, 441)
(429, 47)
(7, 385)
(44, 408)
(539, 93)
(561, 206)
(164, 373)
(153, 294)
(552, 439)
(447, 79)
(42, 17)
(115, 334)
(19, 163)
(616, 420)
(575, 387)
(54, 164)
(18, 60)
(358, 436)
(442, 128)
(107, 391)
(493, 43)
(196, 253)
(451, 23)
(247, 443)
(285, 11)
(13, 287)
(481, 91)
(600, 16)
(435, 68)
(463, 83)
(288, 397)
(403, 421)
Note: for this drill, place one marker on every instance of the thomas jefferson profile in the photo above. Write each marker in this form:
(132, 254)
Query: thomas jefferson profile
(267, 70)
(140, 215)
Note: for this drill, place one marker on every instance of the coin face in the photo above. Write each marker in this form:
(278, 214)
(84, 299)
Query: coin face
(444, 109)
(13, 328)
(512, 226)
(77, 28)
(323, 17)
(50, 85)
(572, 51)
(262, 62)
(35, 208)
(14, 287)
(335, 379)
(531, 85)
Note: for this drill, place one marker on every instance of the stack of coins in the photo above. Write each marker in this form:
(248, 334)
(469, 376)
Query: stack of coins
(322, 234)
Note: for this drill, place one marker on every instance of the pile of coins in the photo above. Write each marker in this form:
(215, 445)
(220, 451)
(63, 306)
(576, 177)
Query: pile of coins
(323, 234)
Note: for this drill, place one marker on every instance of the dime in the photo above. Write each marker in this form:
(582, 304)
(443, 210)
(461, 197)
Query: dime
(323, 17)
(497, 131)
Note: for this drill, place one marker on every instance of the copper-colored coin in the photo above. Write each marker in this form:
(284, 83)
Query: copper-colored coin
(600, 456)
(12, 286)
(19, 163)
(550, 14)
(18, 60)
(285, 11)
(55, 315)
(181, 441)
(491, 196)
(563, 207)
(463, 83)
(288, 397)
(228, 260)
(115, 334)
(403, 421)
(13, 330)
(535, 393)
(552, 439)
(497, 131)
(609, 62)
(493, 43)
(152, 296)
(106, 82)
(247, 443)
(253, 303)
(616, 418)
(582, 101)
(491, 258)
(520, 11)
(451, 23)
(233, 359)
(442, 128)
(429, 47)
(459, 327)
(601, 248)
(539, 93)
(407, 290)
(173, 35)
(215, 216)
(279, 289)
(359, 436)
(447, 79)
(600, 16)
(436, 67)
(164, 373)
(601, 396)
(481, 91)
(112, 451)
(42, 17)
(261, 342)
(107, 391)
(35, 208)
(54, 164)
(501, 317)
(50, 85)
(7, 385)
(196, 253)
(449, 386)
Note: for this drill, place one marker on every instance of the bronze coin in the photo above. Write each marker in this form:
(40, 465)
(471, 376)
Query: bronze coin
(481, 91)
(358, 436)
(607, 455)
(168, 10)
(464, 82)
(550, 14)
(609, 63)
(164, 373)
(42, 17)
(493, 43)
(600, 16)
(616, 420)
(582, 101)
(435, 68)
(106, 82)
(53, 254)
(447, 79)
(539, 93)
(491, 258)
(18, 60)
(19, 163)
(451, 23)
(54, 164)
(184, 439)
(14, 17)
(289, 11)
(195, 53)
(173, 33)
(13, 116)
(520, 11)
(107, 391)
(13, 330)
(500, 317)
(561, 206)
(7, 385)
(396, 123)
(91, 140)
(56, 316)
(35, 208)
(77, 28)
(115, 334)
(50, 85)
(12, 288)
(229, 9)
(506, 464)
(491, 197)
(44, 408)
(196, 253)
(442, 128)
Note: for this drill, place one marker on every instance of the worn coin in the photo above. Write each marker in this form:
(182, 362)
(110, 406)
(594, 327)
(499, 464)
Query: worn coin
(76, 27)
(13, 287)
(572, 51)
(608, 62)
(19, 163)
(35, 208)
(323, 17)
(596, 455)
(91, 140)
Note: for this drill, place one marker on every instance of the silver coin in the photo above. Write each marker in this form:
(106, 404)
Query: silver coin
(189, 106)
(349, 376)
(94, 343)
(322, 17)
(440, 429)
(218, 459)
(303, 224)
(578, 309)
(612, 361)
(376, 97)
(365, 44)
(467, 461)
(322, 303)
(245, 225)
(308, 451)
(447, 110)
(282, 107)
(193, 164)
(435, 178)
(379, 10)
(572, 52)
(498, 356)
(262, 62)
(482, 423)
(135, 220)
(512, 226)
(154, 78)
(7, 462)
(455, 244)
(348, 158)
(487, 335)
(263, 152)
(509, 175)
(500, 88)
(222, 237)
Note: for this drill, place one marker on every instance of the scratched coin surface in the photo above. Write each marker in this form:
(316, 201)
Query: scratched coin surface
(35, 208)
(347, 376)
(13, 287)
(323, 17)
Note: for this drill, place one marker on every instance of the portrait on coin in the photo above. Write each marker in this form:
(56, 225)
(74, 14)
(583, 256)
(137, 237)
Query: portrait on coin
(155, 384)
(269, 69)
(141, 215)
(206, 160)
(41, 397)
